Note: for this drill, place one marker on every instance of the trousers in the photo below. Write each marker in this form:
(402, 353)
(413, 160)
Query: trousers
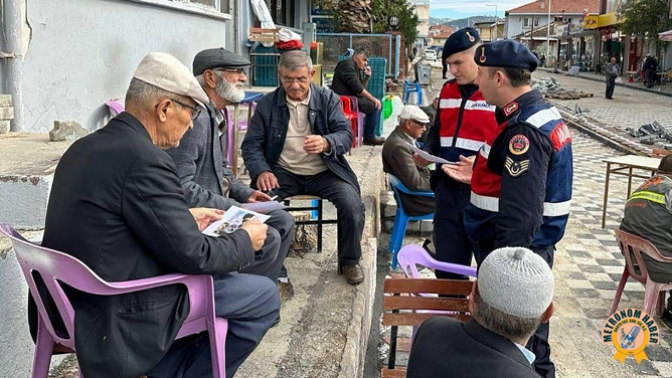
(250, 303)
(450, 238)
(346, 199)
(280, 229)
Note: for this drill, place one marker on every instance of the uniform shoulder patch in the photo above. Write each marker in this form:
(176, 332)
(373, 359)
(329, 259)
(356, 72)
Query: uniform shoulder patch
(516, 168)
(519, 144)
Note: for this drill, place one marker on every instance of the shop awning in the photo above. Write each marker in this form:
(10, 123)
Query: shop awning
(666, 36)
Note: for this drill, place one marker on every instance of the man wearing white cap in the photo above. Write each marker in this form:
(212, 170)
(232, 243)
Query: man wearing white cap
(117, 205)
(512, 296)
(398, 160)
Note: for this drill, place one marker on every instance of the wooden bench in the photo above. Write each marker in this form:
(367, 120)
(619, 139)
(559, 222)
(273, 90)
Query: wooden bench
(403, 306)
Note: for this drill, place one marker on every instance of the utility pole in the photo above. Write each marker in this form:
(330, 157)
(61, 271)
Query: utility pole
(548, 33)
(496, 26)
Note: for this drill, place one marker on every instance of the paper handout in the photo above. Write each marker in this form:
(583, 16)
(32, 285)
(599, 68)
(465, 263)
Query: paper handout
(233, 218)
(263, 207)
(435, 159)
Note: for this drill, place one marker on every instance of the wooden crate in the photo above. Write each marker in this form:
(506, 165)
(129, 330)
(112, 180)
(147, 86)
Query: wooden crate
(264, 35)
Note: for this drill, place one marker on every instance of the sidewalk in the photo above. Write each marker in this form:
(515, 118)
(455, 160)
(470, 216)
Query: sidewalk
(588, 263)
(665, 90)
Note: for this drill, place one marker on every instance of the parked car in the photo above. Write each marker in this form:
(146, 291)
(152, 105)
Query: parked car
(431, 55)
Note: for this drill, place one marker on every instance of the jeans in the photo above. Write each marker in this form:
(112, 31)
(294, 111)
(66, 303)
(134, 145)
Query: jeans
(371, 122)
(250, 303)
(346, 198)
(611, 84)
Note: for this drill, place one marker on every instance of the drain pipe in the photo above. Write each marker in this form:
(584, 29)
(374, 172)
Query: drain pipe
(13, 60)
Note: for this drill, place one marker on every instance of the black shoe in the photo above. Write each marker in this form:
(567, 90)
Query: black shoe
(666, 319)
(375, 141)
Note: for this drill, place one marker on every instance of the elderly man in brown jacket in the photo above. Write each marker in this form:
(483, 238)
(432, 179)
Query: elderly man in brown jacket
(398, 159)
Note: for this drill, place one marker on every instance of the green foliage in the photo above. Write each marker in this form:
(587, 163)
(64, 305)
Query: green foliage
(381, 10)
(646, 18)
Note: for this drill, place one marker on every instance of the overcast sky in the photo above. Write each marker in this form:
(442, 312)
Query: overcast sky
(460, 8)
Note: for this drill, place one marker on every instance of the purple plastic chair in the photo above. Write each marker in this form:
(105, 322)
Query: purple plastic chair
(412, 255)
(115, 107)
(57, 268)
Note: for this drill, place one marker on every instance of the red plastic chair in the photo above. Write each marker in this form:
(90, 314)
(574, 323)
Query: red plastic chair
(351, 116)
(654, 294)
(57, 268)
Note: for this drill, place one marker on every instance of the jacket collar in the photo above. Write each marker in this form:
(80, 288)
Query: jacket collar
(496, 342)
(506, 112)
(315, 103)
(134, 123)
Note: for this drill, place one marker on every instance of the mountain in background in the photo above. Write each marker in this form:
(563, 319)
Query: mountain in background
(469, 21)
(438, 20)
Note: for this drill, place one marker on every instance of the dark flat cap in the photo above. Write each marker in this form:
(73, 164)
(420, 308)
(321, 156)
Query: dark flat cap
(506, 54)
(459, 41)
(217, 58)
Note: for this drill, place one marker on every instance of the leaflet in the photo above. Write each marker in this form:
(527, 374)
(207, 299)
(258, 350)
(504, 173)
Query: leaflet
(263, 207)
(233, 218)
(435, 159)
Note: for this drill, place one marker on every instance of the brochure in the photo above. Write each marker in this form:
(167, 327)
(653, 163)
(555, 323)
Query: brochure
(263, 207)
(233, 218)
(435, 159)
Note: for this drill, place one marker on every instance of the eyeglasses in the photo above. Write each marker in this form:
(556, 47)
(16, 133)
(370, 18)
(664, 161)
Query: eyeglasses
(292, 80)
(195, 110)
(239, 71)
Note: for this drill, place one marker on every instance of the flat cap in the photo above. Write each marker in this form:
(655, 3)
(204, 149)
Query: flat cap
(506, 54)
(459, 41)
(217, 58)
(413, 112)
(164, 71)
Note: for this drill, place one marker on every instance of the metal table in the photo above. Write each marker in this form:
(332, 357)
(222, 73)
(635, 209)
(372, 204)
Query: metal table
(626, 163)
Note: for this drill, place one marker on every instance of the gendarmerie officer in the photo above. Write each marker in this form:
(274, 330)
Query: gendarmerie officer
(463, 123)
(521, 180)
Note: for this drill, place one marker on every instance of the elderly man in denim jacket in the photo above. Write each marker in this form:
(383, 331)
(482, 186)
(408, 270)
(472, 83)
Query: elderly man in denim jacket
(295, 145)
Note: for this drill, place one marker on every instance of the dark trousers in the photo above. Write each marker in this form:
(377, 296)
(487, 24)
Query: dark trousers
(250, 303)
(282, 223)
(450, 238)
(650, 78)
(538, 343)
(346, 198)
(611, 84)
(371, 122)
(445, 69)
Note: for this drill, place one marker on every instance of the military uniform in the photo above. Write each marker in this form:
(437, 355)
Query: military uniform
(522, 179)
(463, 123)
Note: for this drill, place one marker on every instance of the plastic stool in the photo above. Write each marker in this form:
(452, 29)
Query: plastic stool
(411, 87)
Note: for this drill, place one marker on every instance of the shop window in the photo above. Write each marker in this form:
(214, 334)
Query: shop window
(536, 22)
(282, 12)
(526, 22)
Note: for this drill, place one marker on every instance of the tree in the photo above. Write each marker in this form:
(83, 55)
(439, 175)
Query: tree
(354, 16)
(646, 18)
(402, 9)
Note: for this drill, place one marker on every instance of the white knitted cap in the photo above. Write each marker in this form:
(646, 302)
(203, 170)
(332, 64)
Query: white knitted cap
(516, 281)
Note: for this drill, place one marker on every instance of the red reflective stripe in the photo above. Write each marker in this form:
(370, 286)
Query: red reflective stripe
(560, 136)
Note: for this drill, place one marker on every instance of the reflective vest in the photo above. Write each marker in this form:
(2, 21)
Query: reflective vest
(465, 122)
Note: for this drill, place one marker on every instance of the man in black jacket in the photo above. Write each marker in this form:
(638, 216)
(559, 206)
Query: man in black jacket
(649, 68)
(295, 145)
(350, 79)
(512, 296)
(117, 205)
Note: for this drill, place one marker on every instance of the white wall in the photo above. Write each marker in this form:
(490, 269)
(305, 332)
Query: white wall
(83, 52)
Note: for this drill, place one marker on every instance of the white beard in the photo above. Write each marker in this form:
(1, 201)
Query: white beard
(229, 91)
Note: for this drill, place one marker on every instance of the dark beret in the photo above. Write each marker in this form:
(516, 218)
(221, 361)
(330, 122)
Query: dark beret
(217, 58)
(459, 41)
(506, 54)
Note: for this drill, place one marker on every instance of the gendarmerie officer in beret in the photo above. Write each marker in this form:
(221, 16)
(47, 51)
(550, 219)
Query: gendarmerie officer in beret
(522, 185)
(203, 169)
(463, 122)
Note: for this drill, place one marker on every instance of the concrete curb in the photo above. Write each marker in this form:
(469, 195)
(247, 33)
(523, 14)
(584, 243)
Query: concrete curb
(623, 85)
(23, 200)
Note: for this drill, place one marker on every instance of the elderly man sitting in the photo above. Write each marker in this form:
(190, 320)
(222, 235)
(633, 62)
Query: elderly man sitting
(117, 205)
(295, 145)
(398, 159)
(512, 296)
(204, 173)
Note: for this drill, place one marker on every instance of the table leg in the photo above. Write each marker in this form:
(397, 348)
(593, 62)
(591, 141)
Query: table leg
(606, 195)
(629, 183)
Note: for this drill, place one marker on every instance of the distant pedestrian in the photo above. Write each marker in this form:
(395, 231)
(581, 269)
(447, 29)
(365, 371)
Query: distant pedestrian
(649, 68)
(611, 73)
(542, 60)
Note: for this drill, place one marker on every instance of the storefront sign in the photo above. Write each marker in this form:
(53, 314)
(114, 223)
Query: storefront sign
(608, 20)
(590, 21)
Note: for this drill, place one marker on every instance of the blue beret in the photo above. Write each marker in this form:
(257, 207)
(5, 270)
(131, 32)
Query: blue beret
(459, 41)
(506, 54)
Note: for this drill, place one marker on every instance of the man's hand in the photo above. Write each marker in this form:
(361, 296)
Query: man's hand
(316, 144)
(461, 172)
(367, 71)
(256, 231)
(205, 216)
(420, 161)
(377, 104)
(258, 196)
(266, 181)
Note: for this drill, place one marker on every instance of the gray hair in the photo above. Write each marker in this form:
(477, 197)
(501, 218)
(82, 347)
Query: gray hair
(201, 80)
(295, 60)
(361, 51)
(141, 95)
(511, 327)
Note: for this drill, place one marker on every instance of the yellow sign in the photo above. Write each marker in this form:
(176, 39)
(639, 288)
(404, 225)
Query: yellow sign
(608, 19)
(590, 21)
(630, 331)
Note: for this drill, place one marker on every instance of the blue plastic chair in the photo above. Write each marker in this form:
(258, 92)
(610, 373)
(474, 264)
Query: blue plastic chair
(401, 219)
(411, 87)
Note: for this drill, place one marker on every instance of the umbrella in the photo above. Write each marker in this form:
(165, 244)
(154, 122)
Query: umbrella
(666, 36)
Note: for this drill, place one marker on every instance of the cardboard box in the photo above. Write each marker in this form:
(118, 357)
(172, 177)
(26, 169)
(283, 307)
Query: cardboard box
(317, 78)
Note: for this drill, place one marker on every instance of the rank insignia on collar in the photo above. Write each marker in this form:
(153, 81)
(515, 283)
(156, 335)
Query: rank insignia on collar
(519, 144)
(471, 37)
(482, 57)
(510, 108)
(516, 168)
